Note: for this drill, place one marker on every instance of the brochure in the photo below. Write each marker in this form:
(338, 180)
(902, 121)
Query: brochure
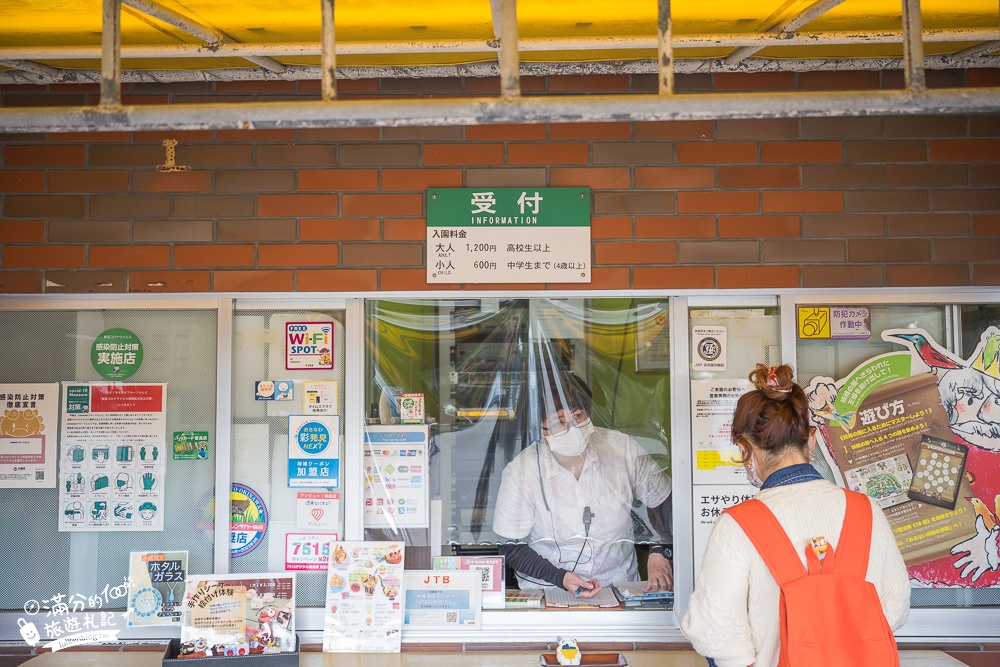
(491, 571)
(364, 604)
(156, 587)
(634, 594)
(239, 614)
(527, 598)
(560, 599)
(437, 599)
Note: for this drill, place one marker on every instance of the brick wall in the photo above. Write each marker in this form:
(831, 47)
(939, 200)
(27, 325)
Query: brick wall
(817, 203)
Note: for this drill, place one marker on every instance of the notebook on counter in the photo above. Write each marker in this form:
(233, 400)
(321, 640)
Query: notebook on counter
(557, 598)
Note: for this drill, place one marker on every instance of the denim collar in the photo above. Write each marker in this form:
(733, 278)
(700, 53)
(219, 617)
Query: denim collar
(793, 474)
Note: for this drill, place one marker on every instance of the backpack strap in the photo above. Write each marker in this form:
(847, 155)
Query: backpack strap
(770, 540)
(855, 540)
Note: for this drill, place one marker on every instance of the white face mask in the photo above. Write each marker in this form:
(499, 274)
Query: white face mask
(573, 441)
(754, 478)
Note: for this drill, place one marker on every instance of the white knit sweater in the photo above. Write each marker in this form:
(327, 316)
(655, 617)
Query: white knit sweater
(733, 614)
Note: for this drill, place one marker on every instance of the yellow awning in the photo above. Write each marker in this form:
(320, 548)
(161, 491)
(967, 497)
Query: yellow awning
(381, 25)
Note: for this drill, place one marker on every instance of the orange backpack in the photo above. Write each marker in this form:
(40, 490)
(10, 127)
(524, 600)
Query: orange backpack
(830, 616)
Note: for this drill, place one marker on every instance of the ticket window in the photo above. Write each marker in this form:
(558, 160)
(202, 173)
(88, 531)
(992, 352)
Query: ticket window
(906, 402)
(476, 364)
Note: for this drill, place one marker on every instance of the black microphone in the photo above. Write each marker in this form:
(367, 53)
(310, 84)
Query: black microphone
(587, 516)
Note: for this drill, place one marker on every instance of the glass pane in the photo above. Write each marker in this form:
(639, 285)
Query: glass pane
(490, 372)
(837, 358)
(285, 365)
(923, 443)
(53, 346)
(726, 344)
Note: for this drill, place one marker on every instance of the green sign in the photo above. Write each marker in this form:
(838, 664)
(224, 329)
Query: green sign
(508, 207)
(116, 354)
(508, 235)
(77, 399)
(190, 445)
(864, 380)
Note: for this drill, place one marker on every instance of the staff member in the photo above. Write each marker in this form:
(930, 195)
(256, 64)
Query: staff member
(564, 509)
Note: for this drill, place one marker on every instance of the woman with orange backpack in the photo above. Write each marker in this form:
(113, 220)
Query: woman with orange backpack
(805, 573)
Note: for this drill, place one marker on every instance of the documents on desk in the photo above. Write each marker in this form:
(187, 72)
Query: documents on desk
(559, 599)
(634, 595)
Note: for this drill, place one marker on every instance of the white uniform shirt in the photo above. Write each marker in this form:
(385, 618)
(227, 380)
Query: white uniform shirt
(616, 471)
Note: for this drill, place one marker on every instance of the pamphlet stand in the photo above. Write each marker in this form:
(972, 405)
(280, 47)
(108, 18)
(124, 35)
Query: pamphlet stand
(286, 659)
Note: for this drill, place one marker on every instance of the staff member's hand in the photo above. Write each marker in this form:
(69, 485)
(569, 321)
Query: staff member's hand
(660, 573)
(574, 582)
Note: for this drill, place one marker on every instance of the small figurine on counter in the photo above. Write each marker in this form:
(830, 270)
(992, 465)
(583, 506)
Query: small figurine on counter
(568, 652)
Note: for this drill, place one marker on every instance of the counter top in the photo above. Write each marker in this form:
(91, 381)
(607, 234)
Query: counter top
(421, 659)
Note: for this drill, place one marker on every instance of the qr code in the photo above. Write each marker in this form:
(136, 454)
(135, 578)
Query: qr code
(39, 475)
(451, 617)
(485, 574)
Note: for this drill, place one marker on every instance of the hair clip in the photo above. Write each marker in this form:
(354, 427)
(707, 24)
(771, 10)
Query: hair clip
(772, 380)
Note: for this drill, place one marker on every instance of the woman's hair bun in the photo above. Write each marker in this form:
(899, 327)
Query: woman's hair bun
(775, 382)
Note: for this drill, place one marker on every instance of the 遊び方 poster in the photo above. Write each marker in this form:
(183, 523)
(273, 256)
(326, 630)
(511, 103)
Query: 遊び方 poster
(919, 431)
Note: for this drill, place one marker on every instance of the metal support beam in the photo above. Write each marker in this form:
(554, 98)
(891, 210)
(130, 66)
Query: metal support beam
(981, 49)
(913, 47)
(200, 31)
(556, 44)
(510, 76)
(978, 50)
(32, 67)
(807, 15)
(481, 111)
(491, 69)
(328, 58)
(665, 49)
(111, 57)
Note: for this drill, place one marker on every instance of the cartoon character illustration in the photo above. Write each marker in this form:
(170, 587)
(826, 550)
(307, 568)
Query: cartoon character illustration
(265, 622)
(194, 649)
(568, 652)
(75, 483)
(969, 391)
(931, 355)
(238, 509)
(20, 423)
(147, 510)
(981, 551)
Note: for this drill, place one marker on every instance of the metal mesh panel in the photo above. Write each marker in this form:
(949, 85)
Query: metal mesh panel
(955, 597)
(260, 435)
(52, 346)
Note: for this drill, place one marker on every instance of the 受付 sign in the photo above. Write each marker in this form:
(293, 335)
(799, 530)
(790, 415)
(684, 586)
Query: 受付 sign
(508, 235)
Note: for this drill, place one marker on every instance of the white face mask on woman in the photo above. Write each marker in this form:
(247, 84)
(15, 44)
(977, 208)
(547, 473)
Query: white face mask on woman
(573, 441)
